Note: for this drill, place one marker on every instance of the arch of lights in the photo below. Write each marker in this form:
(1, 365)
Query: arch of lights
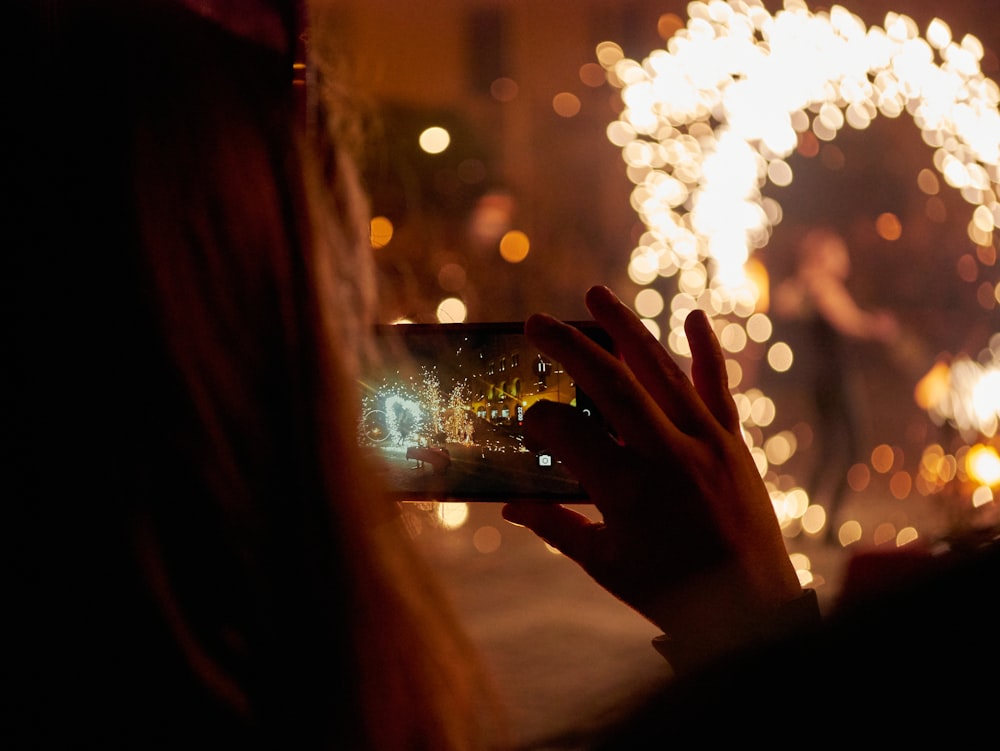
(708, 121)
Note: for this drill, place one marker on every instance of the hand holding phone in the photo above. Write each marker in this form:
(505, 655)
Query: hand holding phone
(688, 535)
(443, 413)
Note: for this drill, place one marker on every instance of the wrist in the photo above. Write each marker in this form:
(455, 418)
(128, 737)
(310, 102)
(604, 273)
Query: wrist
(696, 647)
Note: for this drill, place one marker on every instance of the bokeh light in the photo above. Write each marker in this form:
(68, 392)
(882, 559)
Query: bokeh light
(514, 246)
(451, 310)
(381, 230)
(649, 303)
(452, 515)
(487, 539)
(983, 465)
(592, 75)
(434, 140)
(889, 227)
(566, 104)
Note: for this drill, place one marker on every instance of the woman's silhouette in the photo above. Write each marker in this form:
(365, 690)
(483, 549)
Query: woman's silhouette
(817, 298)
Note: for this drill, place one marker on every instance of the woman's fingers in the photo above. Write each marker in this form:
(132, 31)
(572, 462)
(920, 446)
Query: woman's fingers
(690, 404)
(646, 357)
(623, 402)
(582, 443)
(568, 531)
(708, 370)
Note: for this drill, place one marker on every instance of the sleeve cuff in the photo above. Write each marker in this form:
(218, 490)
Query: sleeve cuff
(800, 612)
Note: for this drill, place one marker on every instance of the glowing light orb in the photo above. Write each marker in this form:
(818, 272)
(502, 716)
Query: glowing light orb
(452, 515)
(514, 246)
(451, 310)
(966, 394)
(983, 465)
(434, 140)
(380, 230)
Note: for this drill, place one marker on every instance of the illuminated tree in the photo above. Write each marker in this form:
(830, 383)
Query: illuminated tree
(432, 402)
(458, 421)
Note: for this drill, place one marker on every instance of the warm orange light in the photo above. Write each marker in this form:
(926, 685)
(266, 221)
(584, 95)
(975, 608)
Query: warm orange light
(900, 485)
(928, 182)
(487, 539)
(808, 144)
(884, 532)
(757, 274)
(514, 246)
(888, 226)
(967, 268)
(932, 389)
(883, 458)
(986, 254)
(566, 104)
(381, 231)
(592, 75)
(669, 24)
(983, 465)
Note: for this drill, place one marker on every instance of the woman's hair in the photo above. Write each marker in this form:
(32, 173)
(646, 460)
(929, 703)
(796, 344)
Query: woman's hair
(193, 300)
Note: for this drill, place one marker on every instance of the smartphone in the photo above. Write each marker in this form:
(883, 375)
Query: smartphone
(442, 413)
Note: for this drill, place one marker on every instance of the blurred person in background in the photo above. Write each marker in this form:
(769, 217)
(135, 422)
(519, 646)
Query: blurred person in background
(816, 298)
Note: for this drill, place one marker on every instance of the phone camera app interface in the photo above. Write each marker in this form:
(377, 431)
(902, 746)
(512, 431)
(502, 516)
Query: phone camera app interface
(444, 412)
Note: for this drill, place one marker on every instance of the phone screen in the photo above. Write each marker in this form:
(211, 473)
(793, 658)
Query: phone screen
(442, 414)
